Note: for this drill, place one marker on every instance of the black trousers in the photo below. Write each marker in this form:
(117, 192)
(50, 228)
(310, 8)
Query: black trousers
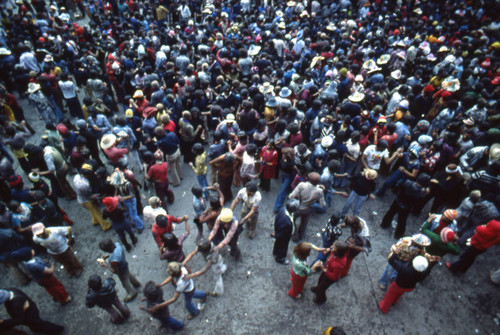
(36, 324)
(466, 259)
(281, 247)
(323, 284)
(402, 217)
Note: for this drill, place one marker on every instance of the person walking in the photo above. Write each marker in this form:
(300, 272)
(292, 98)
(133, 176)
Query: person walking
(116, 262)
(158, 173)
(103, 294)
(154, 296)
(57, 241)
(42, 272)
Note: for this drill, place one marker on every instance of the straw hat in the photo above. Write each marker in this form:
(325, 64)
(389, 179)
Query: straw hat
(285, 92)
(108, 141)
(138, 94)
(117, 178)
(371, 174)
(291, 3)
(396, 74)
(451, 84)
(383, 59)
(5, 52)
(282, 25)
(494, 152)
(356, 97)
(33, 87)
(266, 88)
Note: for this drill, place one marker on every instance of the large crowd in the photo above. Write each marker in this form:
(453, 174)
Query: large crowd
(319, 97)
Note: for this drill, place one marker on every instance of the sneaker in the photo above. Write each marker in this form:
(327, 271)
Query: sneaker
(67, 301)
(200, 306)
(298, 296)
(382, 286)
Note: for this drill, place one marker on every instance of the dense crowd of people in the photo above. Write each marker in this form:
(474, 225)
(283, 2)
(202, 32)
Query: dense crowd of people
(318, 97)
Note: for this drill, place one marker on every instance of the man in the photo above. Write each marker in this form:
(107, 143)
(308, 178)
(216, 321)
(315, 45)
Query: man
(57, 169)
(103, 294)
(117, 263)
(283, 230)
(163, 226)
(42, 272)
(226, 231)
(158, 172)
(409, 195)
(485, 237)
(86, 198)
(24, 311)
(168, 143)
(187, 135)
(373, 154)
(250, 198)
(57, 241)
(150, 212)
(70, 95)
(308, 193)
(409, 274)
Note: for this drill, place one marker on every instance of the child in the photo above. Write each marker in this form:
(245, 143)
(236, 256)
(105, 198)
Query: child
(200, 164)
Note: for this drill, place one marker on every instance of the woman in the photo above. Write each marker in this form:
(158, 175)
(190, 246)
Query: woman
(268, 162)
(300, 270)
(333, 271)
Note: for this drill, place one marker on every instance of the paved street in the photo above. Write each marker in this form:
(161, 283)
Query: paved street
(255, 300)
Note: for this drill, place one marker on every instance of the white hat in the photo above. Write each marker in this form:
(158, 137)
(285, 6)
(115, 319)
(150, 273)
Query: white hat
(37, 228)
(108, 141)
(326, 141)
(33, 87)
(396, 74)
(285, 92)
(4, 52)
(420, 263)
(356, 97)
(266, 88)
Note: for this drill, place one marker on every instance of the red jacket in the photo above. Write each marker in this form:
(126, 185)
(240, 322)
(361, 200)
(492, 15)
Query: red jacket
(159, 231)
(335, 267)
(486, 235)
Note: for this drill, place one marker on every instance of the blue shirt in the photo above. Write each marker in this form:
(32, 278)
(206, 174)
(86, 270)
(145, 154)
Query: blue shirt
(118, 256)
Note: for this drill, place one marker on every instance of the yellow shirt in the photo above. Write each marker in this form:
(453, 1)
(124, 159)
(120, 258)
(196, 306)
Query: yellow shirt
(200, 164)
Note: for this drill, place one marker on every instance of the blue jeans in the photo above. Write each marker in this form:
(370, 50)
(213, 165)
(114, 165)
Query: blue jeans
(132, 213)
(391, 182)
(188, 300)
(356, 200)
(170, 322)
(203, 182)
(389, 275)
(286, 184)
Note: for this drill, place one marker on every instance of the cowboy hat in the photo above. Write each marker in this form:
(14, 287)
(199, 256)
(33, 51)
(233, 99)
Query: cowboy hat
(396, 74)
(5, 52)
(272, 102)
(33, 87)
(356, 97)
(108, 141)
(383, 59)
(371, 174)
(266, 88)
(285, 92)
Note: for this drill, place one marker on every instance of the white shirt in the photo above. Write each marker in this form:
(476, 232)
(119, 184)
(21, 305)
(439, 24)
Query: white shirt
(149, 214)
(57, 242)
(353, 149)
(68, 89)
(374, 157)
(183, 285)
(254, 201)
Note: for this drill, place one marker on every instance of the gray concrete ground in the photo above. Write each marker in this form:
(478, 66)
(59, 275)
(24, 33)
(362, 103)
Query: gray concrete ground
(255, 300)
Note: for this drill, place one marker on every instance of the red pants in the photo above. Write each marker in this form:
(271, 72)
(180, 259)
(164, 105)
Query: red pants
(392, 296)
(297, 284)
(54, 287)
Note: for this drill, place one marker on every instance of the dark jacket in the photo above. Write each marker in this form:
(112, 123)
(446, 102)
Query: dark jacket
(407, 276)
(282, 224)
(409, 194)
(103, 297)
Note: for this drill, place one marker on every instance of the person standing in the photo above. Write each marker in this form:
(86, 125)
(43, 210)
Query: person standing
(200, 164)
(70, 95)
(168, 142)
(308, 193)
(24, 311)
(268, 162)
(57, 241)
(332, 270)
(57, 167)
(363, 186)
(409, 195)
(283, 230)
(163, 226)
(120, 224)
(225, 166)
(484, 237)
(158, 172)
(151, 211)
(42, 273)
(409, 274)
(188, 136)
(117, 263)
(103, 294)
(250, 198)
(300, 270)
(86, 198)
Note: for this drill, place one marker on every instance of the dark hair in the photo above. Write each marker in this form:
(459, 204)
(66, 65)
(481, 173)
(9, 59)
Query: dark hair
(251, 149)
(197, 190)
(151, 291)
(198, 149)
(204, 246)
(251, 187)
(95, 282)
(162, 221)
(341, 249)
(107, 245)
(170, 241)
(215, 203)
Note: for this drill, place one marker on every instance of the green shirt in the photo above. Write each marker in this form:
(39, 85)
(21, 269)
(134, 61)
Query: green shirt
(300, 268)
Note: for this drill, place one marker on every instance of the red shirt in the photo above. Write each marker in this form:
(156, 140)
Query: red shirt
(170, 126)
(335, 267)
(159, 231)
(158, 172)
(115, 154)
(486, 236)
